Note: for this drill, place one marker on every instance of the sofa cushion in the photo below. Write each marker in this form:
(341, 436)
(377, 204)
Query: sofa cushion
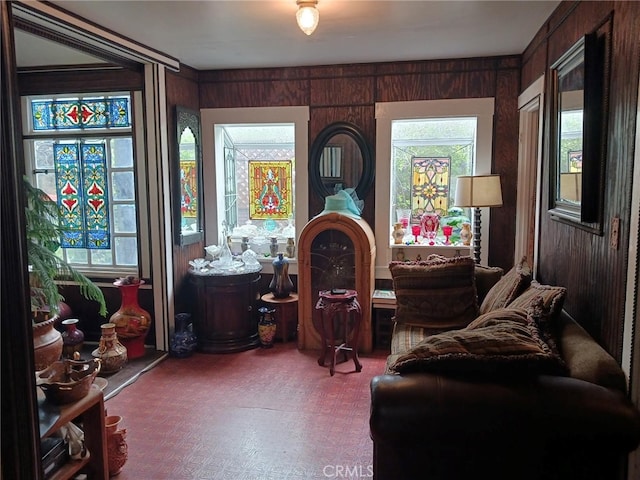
(439, 293)
(514, 282)
(486, 278)
(552, 296)
(502, 343)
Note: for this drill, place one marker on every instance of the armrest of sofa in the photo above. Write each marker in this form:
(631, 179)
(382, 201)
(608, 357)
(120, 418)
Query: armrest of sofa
(586, 359)
(424, 408)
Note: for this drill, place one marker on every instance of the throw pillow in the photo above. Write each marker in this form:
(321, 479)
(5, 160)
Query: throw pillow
(553, 298)
(514, 282)
(502, 343)
(439, 293)
(486, 278)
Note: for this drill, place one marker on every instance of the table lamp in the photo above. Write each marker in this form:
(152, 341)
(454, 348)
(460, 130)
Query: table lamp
(478, 191)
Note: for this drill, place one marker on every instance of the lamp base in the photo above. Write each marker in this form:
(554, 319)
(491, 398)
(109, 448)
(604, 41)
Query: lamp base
(476, 234)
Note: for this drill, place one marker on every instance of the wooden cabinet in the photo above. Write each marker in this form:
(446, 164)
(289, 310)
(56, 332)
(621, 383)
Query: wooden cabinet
(226, 318)
(90, 410)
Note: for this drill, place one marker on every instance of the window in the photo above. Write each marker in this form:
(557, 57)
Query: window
(255, 175)
(259, 162)
(427, 155)
(79, 150)
(421, 148)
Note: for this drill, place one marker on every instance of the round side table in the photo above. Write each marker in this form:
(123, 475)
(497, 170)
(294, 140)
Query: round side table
(339, 306)
(286, 314)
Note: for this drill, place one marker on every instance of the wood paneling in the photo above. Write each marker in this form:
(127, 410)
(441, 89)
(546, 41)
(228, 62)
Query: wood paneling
(79, 81)
(182, 90)
(593, 272)
(349, 93)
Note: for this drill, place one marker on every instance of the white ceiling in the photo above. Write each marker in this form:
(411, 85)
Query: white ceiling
(222, 34)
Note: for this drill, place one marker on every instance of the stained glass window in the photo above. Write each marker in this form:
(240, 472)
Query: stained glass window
(270, 190)
(81, 187)
(80, 151)
(430, 185)
(75, 114)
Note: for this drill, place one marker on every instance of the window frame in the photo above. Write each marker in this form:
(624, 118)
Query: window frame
(214, 169)
(30, 135)
(386, 113)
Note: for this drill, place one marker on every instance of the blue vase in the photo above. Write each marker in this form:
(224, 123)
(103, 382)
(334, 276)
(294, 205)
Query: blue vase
(183, 342)
(281, 284)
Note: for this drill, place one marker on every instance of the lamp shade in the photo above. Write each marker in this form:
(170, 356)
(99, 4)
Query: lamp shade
(307, 15)
(478, 191)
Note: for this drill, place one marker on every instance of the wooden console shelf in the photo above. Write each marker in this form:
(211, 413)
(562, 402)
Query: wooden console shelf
(90, 410)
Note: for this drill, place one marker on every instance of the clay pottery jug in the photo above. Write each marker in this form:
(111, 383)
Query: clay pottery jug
(47, 343)
(117, 448)
(110, 351)
(72, 338)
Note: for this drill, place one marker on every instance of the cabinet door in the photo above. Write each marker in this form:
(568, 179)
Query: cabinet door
(226, 319)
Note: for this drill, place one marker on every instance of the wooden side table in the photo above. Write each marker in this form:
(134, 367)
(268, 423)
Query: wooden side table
(286, 314)
(340, 305)
(91, 409)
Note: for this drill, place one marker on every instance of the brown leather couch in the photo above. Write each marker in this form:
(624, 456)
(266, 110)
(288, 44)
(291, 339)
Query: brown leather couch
(435, 426)
(452, 423)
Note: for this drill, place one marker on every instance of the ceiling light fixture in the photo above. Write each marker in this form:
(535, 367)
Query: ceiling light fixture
(307, 15)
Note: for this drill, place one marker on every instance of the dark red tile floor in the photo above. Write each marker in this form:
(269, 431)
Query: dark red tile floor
(256, 415)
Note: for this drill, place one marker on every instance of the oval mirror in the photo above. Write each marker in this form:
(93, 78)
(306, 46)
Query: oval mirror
(341, 158)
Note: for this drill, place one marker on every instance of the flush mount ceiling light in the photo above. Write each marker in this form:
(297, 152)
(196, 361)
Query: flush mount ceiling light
(307, 15)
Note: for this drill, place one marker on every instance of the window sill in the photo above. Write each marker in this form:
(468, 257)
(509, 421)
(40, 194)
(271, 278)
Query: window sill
(413, 252)
(267, 265)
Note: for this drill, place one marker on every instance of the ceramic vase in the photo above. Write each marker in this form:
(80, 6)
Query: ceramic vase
(398, 233)
(72, 338)
(131, 320)
(47, 343)
(291, 247)
(465, 234)
(184, 341)
(111, 352)
(281, 284)
(273, 247)
(266, 327)
(117, 448)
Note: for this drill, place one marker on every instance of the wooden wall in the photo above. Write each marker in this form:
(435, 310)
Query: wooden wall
(593, 272)
(349, 93)
(182, 90)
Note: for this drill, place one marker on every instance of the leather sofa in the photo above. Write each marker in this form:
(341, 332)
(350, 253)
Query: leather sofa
(434, 425)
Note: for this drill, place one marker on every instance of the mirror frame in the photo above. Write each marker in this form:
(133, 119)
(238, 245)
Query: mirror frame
(589, 52)
(187, 118)
(322, 140)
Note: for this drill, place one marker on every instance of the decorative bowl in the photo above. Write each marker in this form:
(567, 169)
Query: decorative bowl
(198, 264)
(67, 381)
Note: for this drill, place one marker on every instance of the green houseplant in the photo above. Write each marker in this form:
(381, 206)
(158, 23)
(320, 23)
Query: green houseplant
(45, 268)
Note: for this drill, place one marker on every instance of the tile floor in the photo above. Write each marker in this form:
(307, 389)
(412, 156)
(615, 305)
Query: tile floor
(256, 415)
